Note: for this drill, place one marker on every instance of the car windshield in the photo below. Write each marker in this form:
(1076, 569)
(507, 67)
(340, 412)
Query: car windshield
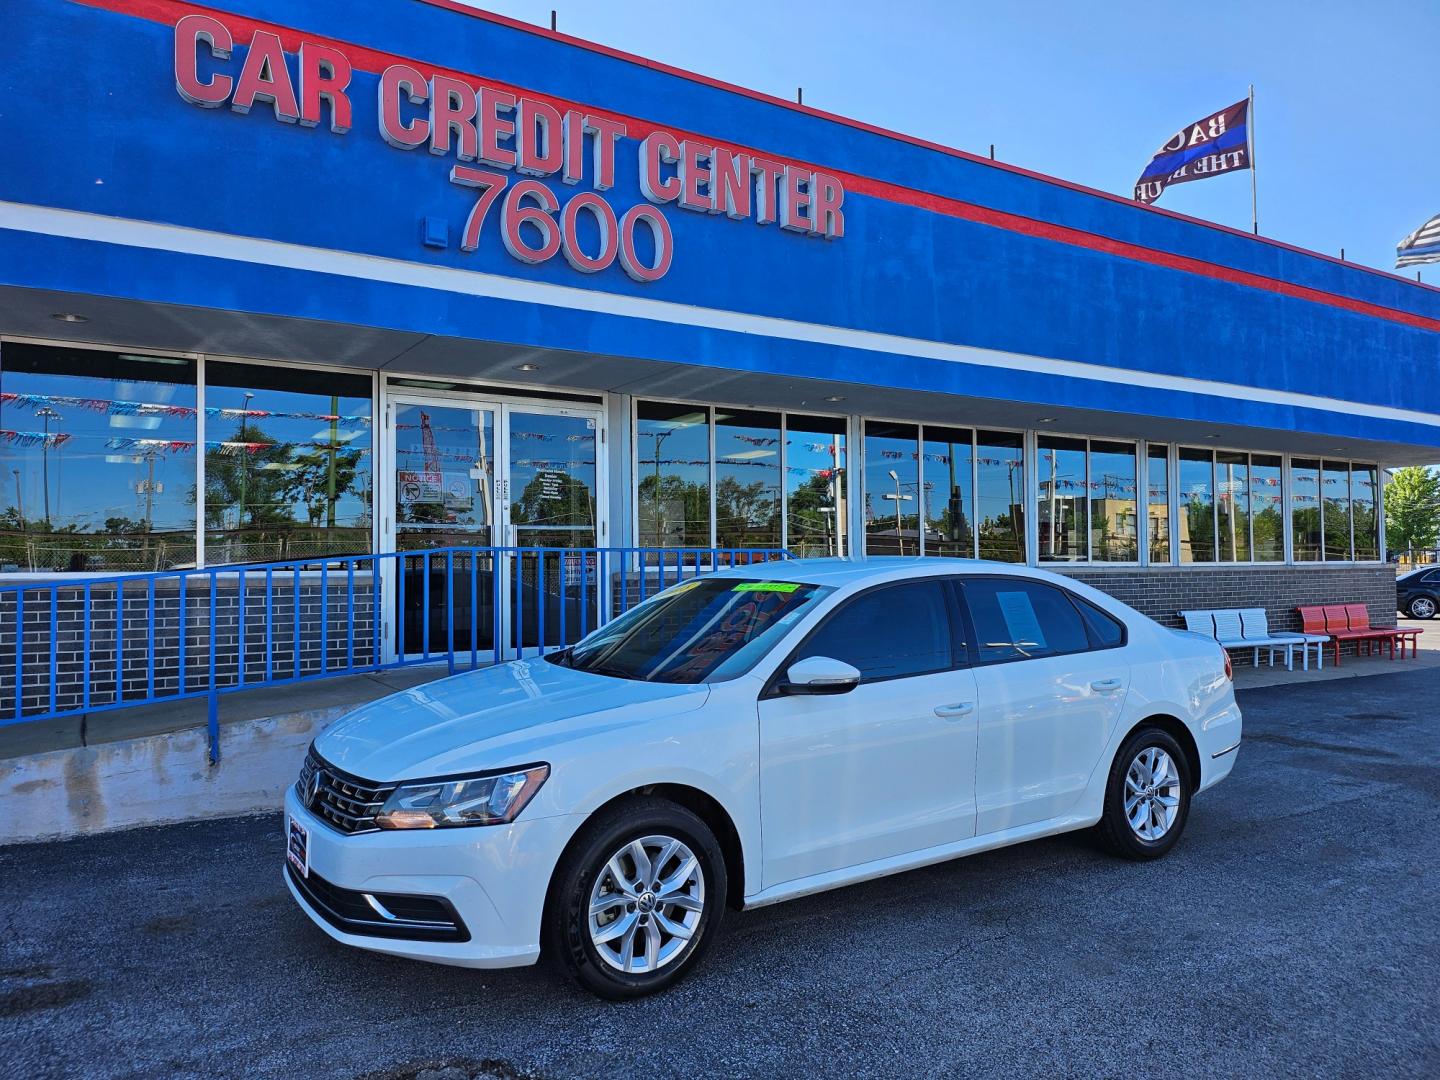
(707, 630)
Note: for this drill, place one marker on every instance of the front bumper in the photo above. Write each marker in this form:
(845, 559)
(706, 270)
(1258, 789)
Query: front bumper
(494, 878)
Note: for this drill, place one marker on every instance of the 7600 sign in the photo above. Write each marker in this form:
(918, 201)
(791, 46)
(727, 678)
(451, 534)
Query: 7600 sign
(529, 202)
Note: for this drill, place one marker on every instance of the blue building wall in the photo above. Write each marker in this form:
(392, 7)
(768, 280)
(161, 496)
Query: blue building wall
(93, 123)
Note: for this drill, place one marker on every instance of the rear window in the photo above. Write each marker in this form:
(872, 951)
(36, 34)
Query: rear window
(707, 630)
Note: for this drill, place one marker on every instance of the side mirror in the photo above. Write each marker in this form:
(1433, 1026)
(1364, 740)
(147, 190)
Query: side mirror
(820, 675)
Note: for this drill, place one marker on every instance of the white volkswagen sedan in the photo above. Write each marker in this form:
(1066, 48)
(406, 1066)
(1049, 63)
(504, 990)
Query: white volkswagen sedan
(743, 738)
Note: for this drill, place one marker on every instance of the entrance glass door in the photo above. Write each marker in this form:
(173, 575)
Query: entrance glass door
(552, 497)
(445, 496)
(521, 479)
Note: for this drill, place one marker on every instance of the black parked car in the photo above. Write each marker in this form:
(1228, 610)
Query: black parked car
(1418, 592)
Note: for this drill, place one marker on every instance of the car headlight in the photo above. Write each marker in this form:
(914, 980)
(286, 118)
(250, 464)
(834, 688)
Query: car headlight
(489, 799)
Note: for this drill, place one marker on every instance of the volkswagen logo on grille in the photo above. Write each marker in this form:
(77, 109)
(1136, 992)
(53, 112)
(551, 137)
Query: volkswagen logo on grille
(312, 789)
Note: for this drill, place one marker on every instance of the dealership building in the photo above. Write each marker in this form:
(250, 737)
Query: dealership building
(286, 281)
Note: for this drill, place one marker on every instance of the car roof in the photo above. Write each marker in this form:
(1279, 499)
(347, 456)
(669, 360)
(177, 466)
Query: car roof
(849, 570)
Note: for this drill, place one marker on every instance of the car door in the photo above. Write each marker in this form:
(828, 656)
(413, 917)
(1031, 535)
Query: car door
(888, 767)
(1051, 677)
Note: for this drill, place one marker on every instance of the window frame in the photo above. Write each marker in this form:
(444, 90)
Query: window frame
(846, 539)
(1074, 599)
(960, 651)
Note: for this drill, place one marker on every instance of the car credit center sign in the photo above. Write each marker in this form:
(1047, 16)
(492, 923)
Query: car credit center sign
(502, 141)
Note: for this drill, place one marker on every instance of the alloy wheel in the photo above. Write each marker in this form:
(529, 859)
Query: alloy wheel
(1152, 794)
(1422, 607)
(646, 904)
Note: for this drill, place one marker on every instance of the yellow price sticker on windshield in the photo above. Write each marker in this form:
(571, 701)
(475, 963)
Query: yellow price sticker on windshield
(766, 586)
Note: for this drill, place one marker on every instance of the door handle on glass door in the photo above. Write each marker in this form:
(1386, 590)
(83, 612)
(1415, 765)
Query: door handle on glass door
(1105, 685)
(954, 712)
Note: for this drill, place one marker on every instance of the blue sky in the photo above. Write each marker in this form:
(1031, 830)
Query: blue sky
(1345, 112)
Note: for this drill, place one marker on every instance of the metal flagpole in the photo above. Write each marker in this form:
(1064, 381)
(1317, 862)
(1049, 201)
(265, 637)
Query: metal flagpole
(1250, 140)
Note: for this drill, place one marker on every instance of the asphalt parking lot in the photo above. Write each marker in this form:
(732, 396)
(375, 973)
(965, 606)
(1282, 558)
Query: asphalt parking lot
(1294, 931)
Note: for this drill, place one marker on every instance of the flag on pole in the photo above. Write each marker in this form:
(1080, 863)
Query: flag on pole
(1211, 146)
(1421, 246)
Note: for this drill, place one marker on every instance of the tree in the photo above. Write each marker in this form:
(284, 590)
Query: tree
(1412, 508)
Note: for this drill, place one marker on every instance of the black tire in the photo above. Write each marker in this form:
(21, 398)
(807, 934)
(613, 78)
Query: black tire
(1114, 830)
(567, 938)
(1421, 600)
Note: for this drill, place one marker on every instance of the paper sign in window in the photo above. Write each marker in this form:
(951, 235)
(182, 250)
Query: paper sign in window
(1020, 620)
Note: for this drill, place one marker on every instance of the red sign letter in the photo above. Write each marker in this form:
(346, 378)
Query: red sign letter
(189, 32)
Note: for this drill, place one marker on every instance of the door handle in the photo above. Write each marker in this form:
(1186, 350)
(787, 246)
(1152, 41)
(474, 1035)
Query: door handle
(1104, 686)
(954, 712)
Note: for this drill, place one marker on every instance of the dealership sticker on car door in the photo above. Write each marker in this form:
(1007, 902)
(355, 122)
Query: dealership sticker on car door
(297, 847)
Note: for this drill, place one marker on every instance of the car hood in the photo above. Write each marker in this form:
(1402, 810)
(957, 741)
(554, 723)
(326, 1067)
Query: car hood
(511, 714)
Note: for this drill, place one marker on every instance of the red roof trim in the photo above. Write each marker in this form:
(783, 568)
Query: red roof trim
(770, 99)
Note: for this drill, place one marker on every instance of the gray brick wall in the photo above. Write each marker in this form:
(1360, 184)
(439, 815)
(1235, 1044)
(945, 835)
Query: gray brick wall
(130, 650)
(1162, 592)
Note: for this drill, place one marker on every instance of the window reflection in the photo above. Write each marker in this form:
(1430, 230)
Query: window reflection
(1267, 508)
(892, 488)
(1363, 487)
(1114, 532)
(97, 460)
(1158, 498)
(673, 477)
(1335, 489)
(1232, 505)
(1305, 508)
(815, 485)
(287, 463)
(1000, 495)
(1197, 505)
(747, 479)
(946, 464)
(1063, 499)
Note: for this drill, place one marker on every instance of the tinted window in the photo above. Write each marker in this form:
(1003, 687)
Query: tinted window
(889, 632)
(1106, 632)
(1023, 619)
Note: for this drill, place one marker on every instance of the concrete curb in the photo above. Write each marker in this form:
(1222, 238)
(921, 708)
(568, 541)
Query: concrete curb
(157, 779)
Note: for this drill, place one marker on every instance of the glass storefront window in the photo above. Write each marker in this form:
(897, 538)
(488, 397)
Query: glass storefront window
(1267, 508)
(288, 463)
(1335, 489)
(1063, 499)
(816, 502)
(1000, 495)
(946, 460)
(1114, 535)
(892, 488)
(1197, 505)
(97, 460)
(673, 476)
(1305, 508)
(1158, 499)
(1363, 500)
(1232, 505)
(747, 479)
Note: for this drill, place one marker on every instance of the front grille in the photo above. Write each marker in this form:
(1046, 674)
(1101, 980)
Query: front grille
(389, 915)
(344, 802)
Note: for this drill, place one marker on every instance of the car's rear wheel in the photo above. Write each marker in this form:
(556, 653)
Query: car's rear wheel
(1422, 607)
(1147, 798)
(637, 898)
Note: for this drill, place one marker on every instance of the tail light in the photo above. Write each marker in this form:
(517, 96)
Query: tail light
(1229, 667)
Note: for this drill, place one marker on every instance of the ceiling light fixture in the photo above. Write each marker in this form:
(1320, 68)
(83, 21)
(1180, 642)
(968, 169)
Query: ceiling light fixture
(528, 367)
(70, 317)
(1046, 420)
(835, 397)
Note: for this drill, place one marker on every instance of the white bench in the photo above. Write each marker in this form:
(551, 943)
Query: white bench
(1249, 628)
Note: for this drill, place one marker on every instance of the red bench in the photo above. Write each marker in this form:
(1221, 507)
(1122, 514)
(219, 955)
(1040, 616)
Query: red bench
(1351, 622)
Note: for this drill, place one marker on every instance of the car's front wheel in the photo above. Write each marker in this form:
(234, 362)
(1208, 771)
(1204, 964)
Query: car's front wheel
(1422, 607)
(1147, 799)
(637, 898)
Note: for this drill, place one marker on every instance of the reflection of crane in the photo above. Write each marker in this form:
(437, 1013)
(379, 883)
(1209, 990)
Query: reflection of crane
(427, 441)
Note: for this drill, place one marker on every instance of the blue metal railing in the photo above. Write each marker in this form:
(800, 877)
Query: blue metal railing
(96, 644)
